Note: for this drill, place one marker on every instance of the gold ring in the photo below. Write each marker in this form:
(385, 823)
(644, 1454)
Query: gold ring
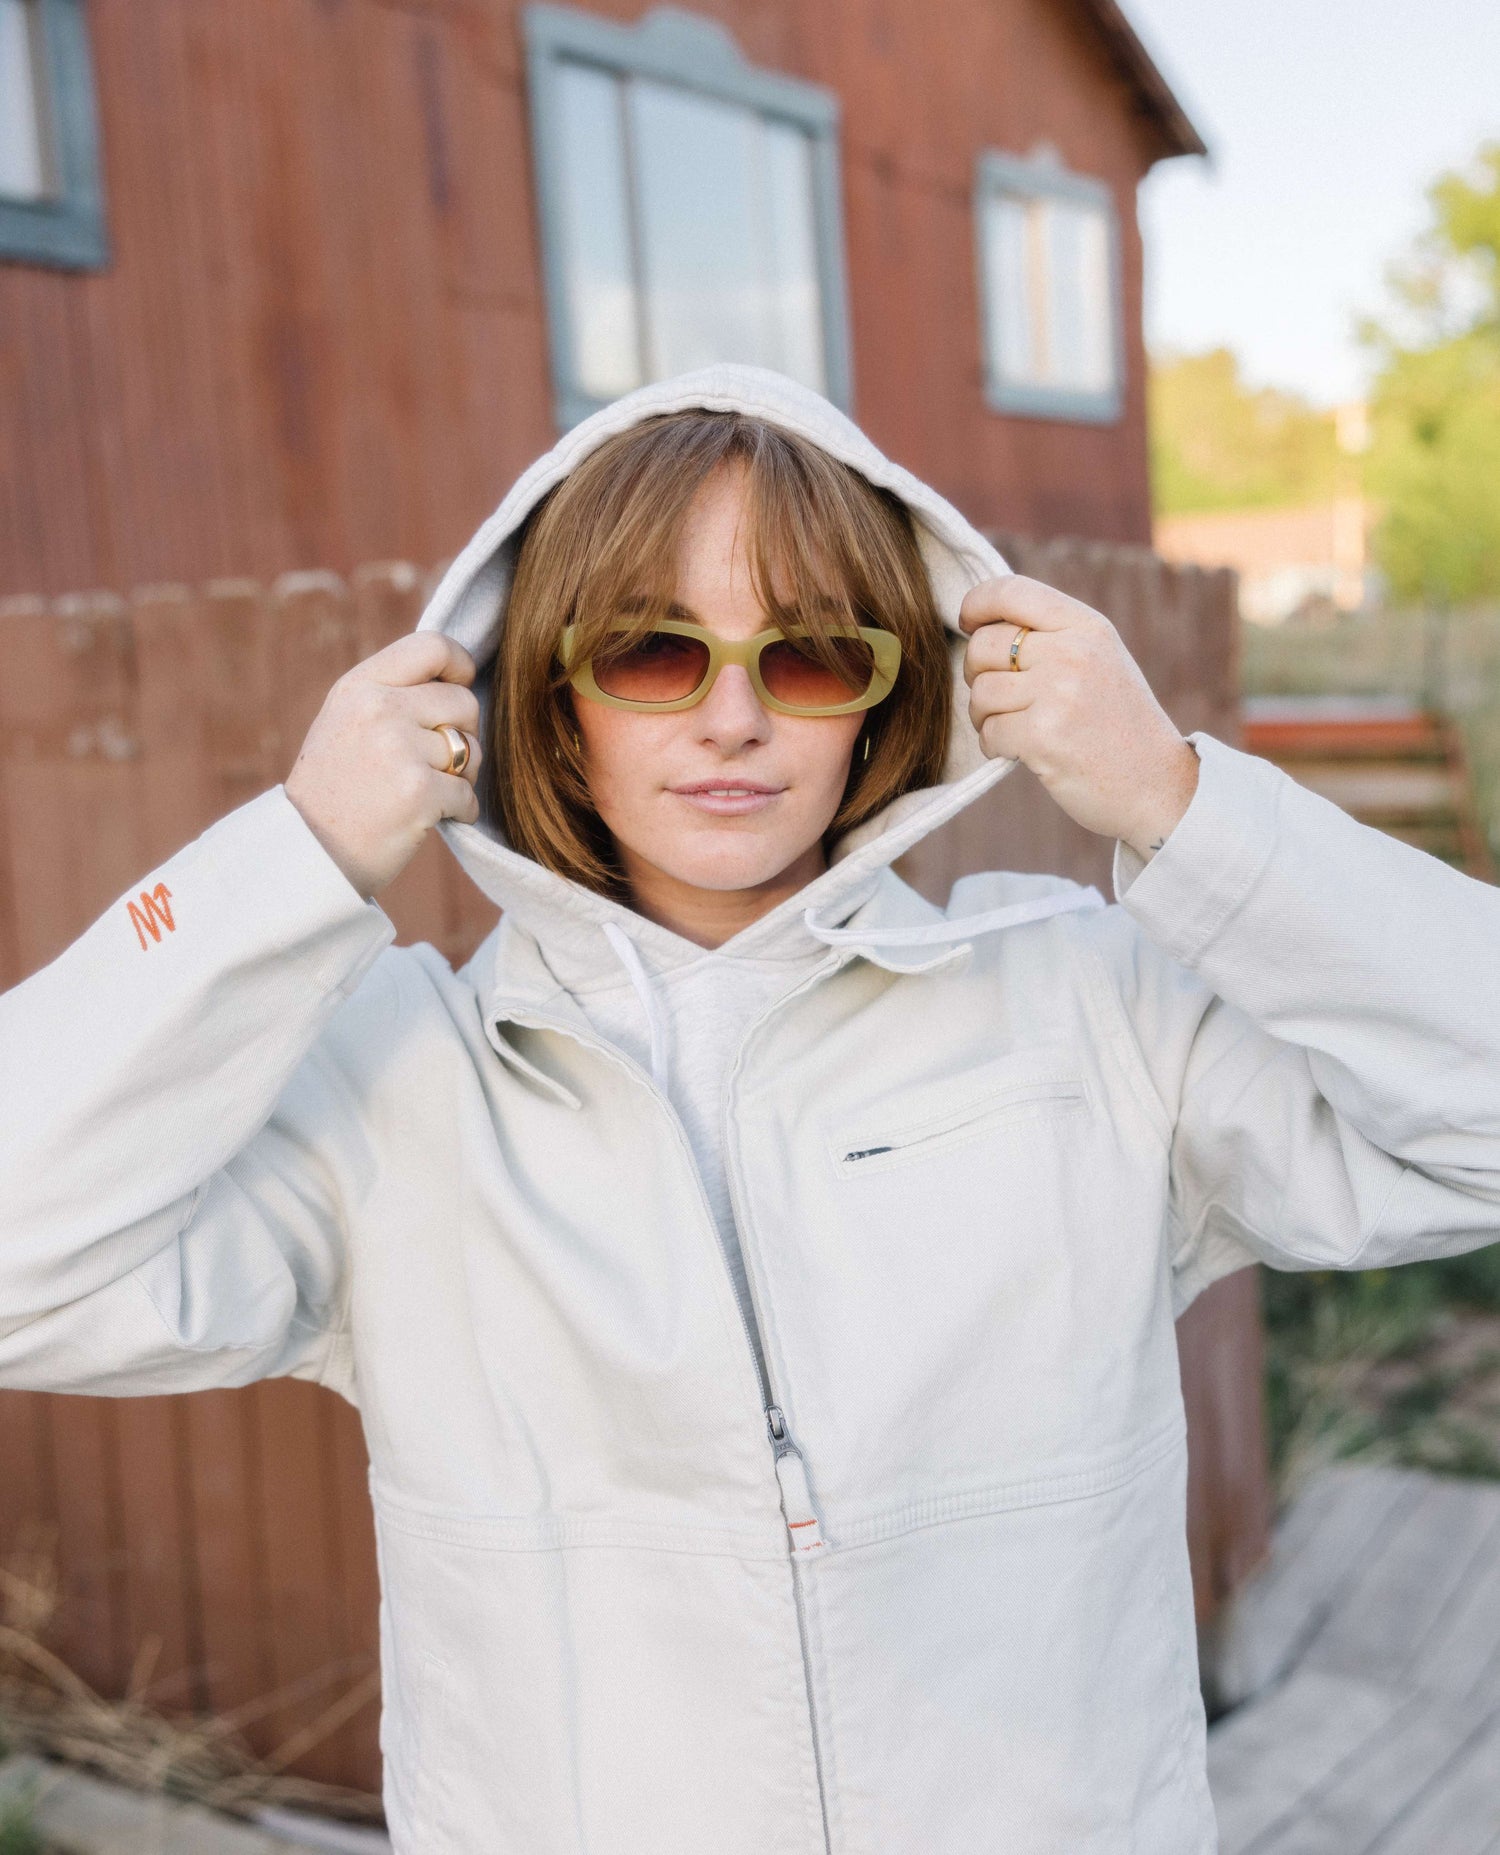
(1021, 632)
(458, 747)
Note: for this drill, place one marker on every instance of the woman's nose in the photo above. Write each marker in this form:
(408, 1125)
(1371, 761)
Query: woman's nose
(731, 712)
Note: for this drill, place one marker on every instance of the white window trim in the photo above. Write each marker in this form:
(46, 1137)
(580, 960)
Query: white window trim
(674, 46)
(1043, 176)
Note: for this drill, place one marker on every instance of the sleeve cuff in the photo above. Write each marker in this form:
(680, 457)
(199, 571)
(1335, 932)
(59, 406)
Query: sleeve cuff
(272, 856)
(1185, 892)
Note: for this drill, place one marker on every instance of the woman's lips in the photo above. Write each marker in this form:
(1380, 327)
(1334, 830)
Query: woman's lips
(729, 798)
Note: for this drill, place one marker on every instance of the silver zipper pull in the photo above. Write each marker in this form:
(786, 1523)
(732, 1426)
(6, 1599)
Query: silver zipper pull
(802, 1523)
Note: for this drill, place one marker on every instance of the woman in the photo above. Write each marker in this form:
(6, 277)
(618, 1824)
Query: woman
(757, 1284)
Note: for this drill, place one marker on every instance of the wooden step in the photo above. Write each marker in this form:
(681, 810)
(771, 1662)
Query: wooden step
(1381, 789)
(1385, 761)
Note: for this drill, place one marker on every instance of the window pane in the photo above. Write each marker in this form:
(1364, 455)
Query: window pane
(1049, 292)
(22, 158)
(794, 304)
(595, 233)
(699, 236)
(1009, 289)
(1081, 308)
(724, 206)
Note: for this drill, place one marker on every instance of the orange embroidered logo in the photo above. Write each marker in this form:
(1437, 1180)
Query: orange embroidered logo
(154, 904)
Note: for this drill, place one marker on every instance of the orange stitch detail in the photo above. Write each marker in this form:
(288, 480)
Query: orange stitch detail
(802, 1523)
(154, 902)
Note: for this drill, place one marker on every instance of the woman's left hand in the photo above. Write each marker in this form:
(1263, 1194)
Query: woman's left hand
(1077, 710)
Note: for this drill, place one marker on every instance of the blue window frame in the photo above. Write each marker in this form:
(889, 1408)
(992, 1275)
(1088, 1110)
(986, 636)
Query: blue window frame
(1049, 290)
(689, 207)
(50, 206)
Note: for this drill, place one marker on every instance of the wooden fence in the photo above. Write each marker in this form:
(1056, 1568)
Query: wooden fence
(222, 1542)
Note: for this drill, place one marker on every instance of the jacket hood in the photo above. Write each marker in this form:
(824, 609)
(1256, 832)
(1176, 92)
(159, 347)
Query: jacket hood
(469, 604)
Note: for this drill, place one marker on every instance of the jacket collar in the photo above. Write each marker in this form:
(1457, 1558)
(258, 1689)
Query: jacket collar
(549, 942)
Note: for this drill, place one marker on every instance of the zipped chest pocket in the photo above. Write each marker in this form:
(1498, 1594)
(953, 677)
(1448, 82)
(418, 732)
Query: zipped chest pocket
(927, 1122)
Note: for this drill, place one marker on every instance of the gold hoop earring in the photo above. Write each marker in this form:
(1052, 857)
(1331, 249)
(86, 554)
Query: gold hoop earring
(865, 756)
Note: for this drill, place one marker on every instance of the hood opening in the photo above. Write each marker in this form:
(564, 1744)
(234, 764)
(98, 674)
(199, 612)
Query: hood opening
(469, 605)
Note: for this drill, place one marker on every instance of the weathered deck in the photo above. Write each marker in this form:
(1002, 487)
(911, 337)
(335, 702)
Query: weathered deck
(1370, 1655)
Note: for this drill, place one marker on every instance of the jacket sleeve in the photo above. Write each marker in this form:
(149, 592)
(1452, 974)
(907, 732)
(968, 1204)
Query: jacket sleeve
(1318, 1006)
(182, 1120)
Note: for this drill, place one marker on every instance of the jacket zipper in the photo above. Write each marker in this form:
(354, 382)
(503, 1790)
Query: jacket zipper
(795, 1499)
(804, 1531)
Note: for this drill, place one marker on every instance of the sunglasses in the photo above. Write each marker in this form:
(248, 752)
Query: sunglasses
(674, 665)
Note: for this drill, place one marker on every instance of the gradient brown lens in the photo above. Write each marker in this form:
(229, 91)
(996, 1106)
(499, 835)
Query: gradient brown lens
(661, 667)
(793, 675)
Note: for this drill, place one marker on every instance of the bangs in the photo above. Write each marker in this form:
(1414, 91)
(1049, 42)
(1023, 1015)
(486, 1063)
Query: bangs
(810, 556)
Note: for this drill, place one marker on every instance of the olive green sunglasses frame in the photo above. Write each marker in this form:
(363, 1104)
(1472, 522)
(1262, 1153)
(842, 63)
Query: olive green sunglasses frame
(885, 649)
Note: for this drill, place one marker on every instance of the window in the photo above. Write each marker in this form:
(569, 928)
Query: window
(689, 207)
(49, 167)
(1049, 290)
(23, 166)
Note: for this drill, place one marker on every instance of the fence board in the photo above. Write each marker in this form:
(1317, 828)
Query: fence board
(83, 1473)
(234, 1526)
(158, 1623)
(227, 1549)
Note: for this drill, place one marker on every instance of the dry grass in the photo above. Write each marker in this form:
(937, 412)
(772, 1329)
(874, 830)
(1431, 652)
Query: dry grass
(46, 1708)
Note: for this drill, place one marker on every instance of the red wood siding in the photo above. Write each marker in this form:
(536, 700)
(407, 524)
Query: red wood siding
(321, 337)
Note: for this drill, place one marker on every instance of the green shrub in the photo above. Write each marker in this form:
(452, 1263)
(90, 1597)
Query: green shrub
(1325, 1332)
(19, 1834)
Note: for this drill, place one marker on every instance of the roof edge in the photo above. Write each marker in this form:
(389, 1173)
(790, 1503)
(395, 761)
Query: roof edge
(1171, 121)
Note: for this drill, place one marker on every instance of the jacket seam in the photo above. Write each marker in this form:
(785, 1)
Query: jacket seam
(573, 1533)
(187, 1217)
(1377, 1220)
(1234, 896)
(231, 1348)
(828, 1801)
(337, 1328)
(1121, 1033)
(1003, 1497)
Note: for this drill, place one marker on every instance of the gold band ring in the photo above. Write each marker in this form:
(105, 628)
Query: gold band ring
(458, 747)
(1021, 631)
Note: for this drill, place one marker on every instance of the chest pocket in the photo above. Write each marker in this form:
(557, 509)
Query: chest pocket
(929, 1120)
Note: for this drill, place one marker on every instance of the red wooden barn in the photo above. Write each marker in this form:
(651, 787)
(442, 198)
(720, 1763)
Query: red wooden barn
(305, 284)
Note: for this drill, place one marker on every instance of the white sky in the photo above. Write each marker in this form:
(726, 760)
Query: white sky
(1325, 120)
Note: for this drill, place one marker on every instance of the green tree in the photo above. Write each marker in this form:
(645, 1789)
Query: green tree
(1219, 444)
(1434, 463)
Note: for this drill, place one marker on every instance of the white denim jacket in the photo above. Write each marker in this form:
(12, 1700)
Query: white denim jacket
(885, 1555)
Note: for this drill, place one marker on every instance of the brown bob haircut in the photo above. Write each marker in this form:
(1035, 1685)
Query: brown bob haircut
(826, 547)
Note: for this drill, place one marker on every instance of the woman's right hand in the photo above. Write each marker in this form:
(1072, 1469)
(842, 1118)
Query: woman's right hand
(367, 779)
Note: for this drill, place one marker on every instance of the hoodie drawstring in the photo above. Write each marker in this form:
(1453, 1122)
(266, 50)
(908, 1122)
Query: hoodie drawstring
(1013, 915)
(656, 1018)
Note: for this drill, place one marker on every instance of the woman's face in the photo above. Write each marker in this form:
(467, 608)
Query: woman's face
(726, 796)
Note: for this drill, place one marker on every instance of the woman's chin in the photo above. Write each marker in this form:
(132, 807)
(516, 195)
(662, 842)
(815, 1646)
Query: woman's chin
(743, 862)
